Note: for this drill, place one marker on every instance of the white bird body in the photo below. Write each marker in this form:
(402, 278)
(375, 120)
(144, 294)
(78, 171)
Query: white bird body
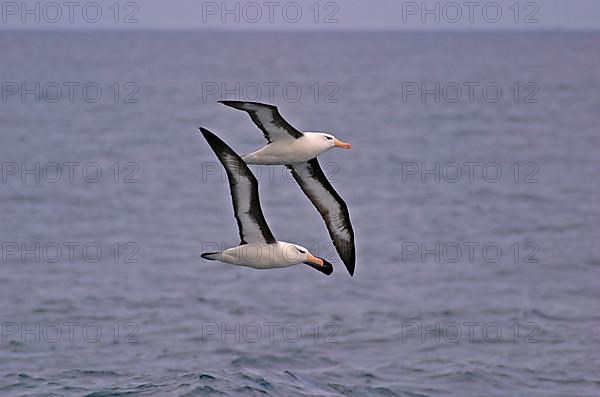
(289, 151)
(263, 256)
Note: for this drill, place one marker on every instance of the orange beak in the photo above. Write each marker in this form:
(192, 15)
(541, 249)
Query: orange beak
(341, 144)
(315, 260)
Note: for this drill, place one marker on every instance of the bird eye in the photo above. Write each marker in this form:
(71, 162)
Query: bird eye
(301, 251)
(328, 137)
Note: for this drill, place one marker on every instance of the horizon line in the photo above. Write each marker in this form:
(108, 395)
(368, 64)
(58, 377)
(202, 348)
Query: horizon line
(343, 30)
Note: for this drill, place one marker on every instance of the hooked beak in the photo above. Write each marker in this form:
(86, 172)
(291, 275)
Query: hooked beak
(314, 260)
(320, 264)
(341, 144)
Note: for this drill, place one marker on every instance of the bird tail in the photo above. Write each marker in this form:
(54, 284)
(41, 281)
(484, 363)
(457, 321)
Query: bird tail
(211, 256)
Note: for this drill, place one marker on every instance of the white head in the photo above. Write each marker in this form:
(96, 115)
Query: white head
(328, 141)
(299, 254)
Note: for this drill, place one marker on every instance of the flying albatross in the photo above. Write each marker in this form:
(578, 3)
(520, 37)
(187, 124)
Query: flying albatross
(258, 247)
(298, 151)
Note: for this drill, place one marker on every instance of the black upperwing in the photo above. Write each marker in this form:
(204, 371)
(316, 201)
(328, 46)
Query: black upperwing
(251, 222)
(330, 205)
(268, 119)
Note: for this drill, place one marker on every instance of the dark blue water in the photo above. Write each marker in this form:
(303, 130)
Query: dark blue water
(476, 218)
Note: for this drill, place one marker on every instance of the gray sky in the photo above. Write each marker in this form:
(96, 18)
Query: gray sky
(303, 14)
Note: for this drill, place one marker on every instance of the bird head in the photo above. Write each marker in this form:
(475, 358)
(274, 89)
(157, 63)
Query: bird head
(303, 255)
(332, 141)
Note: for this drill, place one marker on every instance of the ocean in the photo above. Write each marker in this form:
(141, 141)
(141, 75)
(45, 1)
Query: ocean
(472, 186)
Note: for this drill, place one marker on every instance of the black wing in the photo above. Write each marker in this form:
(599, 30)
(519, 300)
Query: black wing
(251, 222)
(268, 119)
(330, 205)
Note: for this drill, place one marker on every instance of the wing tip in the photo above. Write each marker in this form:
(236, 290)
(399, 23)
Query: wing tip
(349, 261)
(213, 140)
(350, 267)
(230, 103)
(241, 104)
(218, 145)
(234, 104)
(205, 131)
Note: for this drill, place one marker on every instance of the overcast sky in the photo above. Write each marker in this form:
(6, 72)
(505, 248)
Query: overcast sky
(303, 14)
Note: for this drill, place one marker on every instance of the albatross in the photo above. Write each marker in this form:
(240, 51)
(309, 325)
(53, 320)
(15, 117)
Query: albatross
(298, 151)
(258, 247)
(286, 145)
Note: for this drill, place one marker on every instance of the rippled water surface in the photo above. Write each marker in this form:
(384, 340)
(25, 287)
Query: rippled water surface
(131, 309)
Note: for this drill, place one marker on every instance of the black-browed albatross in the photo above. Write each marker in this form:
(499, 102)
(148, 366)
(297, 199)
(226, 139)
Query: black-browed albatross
(298, 151)
(258, 247)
